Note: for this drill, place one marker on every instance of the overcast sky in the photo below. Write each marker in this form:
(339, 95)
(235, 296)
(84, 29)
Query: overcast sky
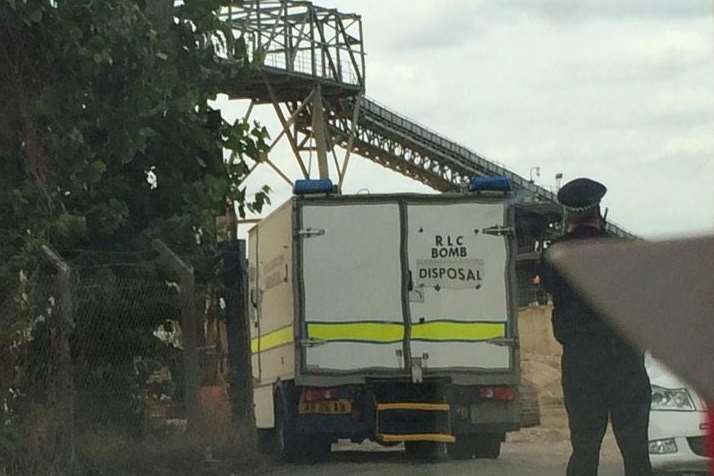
(618, 90)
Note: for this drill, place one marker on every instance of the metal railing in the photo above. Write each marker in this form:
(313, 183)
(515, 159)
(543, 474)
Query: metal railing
(459, 155)
(460, 152)
(299, 37)
(303, 64)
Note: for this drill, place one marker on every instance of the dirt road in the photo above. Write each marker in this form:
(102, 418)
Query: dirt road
(517, 459)
(541, 451)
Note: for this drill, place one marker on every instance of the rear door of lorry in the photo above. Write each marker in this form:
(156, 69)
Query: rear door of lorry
(351, 286)
(459, 256)
(387, 282)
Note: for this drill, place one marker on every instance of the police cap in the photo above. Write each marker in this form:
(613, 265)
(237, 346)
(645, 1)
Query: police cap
(581, 195)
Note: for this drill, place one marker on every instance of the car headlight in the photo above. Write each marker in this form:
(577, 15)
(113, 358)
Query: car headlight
(663, 447)
(677, 399)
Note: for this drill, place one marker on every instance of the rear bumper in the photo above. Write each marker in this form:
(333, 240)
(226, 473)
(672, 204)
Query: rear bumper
(471, 414)
(449, 410)
(328, 379)
(341, 426)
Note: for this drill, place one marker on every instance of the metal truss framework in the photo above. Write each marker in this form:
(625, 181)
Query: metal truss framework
(313, 73)
(308, 56)
(297, 37)
(402, 145)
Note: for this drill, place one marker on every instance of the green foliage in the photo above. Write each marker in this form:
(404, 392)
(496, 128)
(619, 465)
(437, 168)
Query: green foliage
(97, 96)
(106, 142)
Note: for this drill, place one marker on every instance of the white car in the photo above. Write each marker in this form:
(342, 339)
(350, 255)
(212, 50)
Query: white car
(678, 423)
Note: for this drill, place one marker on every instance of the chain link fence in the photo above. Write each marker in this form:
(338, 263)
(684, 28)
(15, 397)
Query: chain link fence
(126, 349)
(107, 344)
(31, 407)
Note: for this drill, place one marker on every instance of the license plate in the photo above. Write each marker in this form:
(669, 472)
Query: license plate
(328, 407)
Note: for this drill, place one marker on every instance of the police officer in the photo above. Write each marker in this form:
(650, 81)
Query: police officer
(603, 378)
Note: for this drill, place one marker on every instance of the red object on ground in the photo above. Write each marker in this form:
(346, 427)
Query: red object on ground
(214, 401)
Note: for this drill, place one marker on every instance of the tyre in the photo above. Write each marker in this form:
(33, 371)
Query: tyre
(316, 447)
(488, 446)
(463, 448)
(530, 408)
(286, 448)
(265, 441)
(424, 450)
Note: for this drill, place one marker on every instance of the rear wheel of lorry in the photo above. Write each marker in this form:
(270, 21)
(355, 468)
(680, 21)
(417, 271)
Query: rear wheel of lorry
(316, 446)
(462, 448)
(488, 446)
(265, 440)
(424, 450)
(286, 441)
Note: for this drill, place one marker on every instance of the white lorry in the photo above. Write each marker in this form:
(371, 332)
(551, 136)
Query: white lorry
(385, 317)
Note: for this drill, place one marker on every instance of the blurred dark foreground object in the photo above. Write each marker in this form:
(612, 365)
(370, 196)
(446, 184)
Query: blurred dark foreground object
(658, 295)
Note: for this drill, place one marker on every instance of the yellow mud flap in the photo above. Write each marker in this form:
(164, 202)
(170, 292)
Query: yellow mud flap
(427, 407)
(435, 437)
(414, 421)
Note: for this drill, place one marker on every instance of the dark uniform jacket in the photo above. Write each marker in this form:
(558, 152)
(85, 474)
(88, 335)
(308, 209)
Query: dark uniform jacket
(575, 322)
(603, 378)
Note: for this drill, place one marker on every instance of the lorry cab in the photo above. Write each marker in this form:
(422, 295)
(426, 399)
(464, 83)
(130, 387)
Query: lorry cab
(385, 317)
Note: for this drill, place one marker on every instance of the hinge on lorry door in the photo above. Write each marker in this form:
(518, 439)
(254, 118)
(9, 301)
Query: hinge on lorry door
(417, 370)
(498, 230)
(311, 232)
(503, 341)
(312, 342)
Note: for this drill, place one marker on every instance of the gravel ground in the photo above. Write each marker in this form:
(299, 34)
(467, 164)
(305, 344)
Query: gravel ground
(541, 451)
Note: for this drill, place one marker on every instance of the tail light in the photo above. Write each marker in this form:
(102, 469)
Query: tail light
(503, 394)
(318, 394)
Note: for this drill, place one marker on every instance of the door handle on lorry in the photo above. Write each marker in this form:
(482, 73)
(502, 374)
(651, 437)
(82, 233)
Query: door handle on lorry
(498, 230)
(312, 342)
(311, 232)
(503, 341)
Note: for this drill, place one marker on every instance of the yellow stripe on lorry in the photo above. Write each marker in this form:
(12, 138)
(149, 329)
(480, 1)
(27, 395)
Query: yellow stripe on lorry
(273, 339)
(458, 331)
(436, 437)
(384, 333)
(368, 332)
(428, 407)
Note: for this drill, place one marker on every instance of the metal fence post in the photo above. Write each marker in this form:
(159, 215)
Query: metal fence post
(61, 384)
(235, 279)
(189, 330)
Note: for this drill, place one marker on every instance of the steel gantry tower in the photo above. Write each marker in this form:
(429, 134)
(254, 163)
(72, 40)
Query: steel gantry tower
(311, 70)
(311, 65)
